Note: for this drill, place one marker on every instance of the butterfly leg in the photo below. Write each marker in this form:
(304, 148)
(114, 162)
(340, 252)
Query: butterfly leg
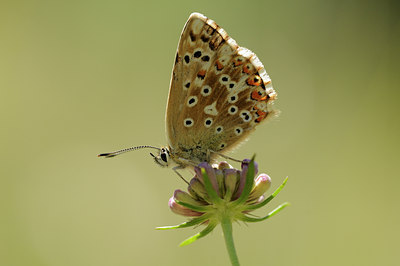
(175, 169)
(226, 157)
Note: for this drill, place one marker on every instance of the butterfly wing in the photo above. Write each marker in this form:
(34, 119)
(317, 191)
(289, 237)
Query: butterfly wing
(219, 92)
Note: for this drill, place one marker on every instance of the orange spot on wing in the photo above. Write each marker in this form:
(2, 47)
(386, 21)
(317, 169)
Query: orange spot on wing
(238, 62)
(261, 115)
(201, 74)
(246, 69)
(255, 95)
(254, 80)
(219, 65)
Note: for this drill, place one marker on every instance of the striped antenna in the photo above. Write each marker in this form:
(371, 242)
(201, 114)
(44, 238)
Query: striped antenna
(115, 153)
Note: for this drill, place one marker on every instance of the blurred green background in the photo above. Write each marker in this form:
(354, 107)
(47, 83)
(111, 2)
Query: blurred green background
(78, 78)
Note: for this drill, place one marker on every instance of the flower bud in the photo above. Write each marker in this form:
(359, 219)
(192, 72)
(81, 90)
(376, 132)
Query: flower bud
(181, 210)
(197, 187)
(262, 184)
(224, 165)
(231, 182)
(184, 197)
(210, 172)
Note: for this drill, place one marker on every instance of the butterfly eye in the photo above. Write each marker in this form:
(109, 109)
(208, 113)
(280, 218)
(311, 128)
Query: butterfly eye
(164, 157)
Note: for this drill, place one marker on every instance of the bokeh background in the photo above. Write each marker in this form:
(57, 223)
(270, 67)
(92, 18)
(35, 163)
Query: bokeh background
(78, 78)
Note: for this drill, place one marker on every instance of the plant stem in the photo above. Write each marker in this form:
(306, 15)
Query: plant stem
(226, 225)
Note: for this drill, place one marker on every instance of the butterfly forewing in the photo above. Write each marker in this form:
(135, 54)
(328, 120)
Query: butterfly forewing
(219, 92)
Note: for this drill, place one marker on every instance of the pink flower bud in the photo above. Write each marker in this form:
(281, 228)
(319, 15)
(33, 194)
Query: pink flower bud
(262, 184)
(181, 210)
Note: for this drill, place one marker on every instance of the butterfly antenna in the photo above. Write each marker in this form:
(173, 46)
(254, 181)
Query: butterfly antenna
(115, 153)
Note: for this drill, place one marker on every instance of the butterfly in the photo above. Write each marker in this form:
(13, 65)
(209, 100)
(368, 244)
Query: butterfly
(219, 93)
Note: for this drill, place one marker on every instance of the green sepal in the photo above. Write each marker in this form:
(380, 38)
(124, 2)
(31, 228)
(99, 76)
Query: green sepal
(209, 188)
(245, 218)
(199, 235)
(264, 202)
(194, 207)
(192, 222)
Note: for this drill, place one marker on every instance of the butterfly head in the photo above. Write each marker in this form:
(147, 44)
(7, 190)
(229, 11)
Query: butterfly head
(163, 158)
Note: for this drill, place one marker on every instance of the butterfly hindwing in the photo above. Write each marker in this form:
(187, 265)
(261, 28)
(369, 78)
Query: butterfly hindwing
(219, 92)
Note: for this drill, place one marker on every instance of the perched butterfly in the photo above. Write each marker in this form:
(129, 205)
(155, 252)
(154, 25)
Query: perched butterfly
(219, 93)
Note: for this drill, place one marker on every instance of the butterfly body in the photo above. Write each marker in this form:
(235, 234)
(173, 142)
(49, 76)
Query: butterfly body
(219, 93)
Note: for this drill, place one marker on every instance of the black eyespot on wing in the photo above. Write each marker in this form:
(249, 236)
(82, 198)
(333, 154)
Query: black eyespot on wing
(205, 58)
(187, 59)
(187, 85)
(197, 54)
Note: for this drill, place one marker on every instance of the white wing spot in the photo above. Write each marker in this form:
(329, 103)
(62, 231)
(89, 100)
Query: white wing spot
(230, 86)
(208, 122)
(245, 115)
(211, 109)
(238, 131)
(206, 90)
(232, 109)
(192, 101)
(188, 122)
(222, 145)
(224, 79)
(233, 98)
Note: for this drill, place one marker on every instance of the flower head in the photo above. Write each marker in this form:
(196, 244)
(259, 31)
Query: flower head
(221, 194)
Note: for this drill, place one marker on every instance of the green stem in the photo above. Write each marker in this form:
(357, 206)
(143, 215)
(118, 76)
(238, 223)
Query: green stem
(226, 225)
